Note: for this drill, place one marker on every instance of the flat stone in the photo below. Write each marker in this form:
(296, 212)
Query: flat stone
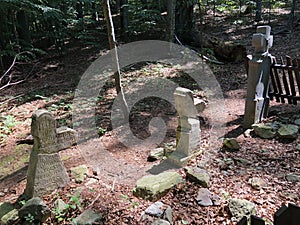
(240, 208)
(198, 175)
(88, 217)
(160, 222)
(297, 122)
(199, 104)
(231, 143)
(78, 173)
(266, 131)
(156, 154)
(37, 208)
(155, 209)
(203, 197)
(152, 187)
(258, 183)
(292, 178)
(243, 162)
(168, 215)
(5, 207)
(247, 133)
(10, 217)
(288, 131)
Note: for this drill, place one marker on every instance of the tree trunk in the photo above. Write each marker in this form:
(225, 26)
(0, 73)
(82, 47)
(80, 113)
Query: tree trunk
(258, 10)
(23, 28)
(112, 44)
(292, 15)
(187, 32)
(171, 20)
(124, 17)
(79, 9)
(185, 23)
(94, 11)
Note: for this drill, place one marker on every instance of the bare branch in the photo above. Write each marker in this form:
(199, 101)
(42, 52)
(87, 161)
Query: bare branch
(10, 76)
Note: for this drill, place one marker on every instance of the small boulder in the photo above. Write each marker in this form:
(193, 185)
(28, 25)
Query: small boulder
(155, 209)
(36, 208)
(203, 197)
(10, 217)
(168, 215)
(198, 175)
(152, 187)
(292, 178)
(297, 122)
(160, 222)
(88, 217)
(257, 183)
(78, 173)
(5, 208)
(266, 131)
(199, 104)
(244, 162)
(240, 208)
(247, 133)
(288, 131)
(206, 198)
(231, 143)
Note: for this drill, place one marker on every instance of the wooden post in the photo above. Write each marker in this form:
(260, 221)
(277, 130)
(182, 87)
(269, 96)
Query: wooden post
(257, 100)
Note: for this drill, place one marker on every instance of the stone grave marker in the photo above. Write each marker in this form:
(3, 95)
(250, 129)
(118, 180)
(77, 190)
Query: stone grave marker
(188, 131)
(46, 171)
(257, 101)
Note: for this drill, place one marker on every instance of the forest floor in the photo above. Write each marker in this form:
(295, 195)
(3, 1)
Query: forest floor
(52, 87)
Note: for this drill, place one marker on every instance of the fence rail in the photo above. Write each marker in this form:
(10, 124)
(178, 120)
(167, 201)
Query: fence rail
(285, 80)
(286, 215)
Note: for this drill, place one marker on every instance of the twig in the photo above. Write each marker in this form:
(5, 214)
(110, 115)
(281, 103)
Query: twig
(93, 202)
(97, 178)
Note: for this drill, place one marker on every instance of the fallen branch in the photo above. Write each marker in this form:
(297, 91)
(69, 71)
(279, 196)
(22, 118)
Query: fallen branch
(10, 76)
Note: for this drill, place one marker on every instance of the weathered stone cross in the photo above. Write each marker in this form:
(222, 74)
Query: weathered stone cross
(257, 100)
(46, 171)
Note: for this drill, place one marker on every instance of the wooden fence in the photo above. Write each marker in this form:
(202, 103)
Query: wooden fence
(284, 216)
(285, 81)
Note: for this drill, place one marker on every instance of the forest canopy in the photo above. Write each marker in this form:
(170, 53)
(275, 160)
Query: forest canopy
(35, 26)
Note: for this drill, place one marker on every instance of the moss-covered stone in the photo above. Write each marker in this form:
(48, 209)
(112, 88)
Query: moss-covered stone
(78, 173)
(10, 217)
(198, 175)
(240, 208)
(152, 187)
(266, 131)
(288, 131)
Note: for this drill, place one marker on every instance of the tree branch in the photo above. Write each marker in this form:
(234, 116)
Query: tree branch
(10, 76)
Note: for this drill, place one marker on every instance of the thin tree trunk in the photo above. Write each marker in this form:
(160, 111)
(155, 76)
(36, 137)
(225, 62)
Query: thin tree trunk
(124, 17)
(258, 10)
(79, 9)
(171, 20)
(112, 45)
(185, 23)
(23, 28)
(292, 15)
